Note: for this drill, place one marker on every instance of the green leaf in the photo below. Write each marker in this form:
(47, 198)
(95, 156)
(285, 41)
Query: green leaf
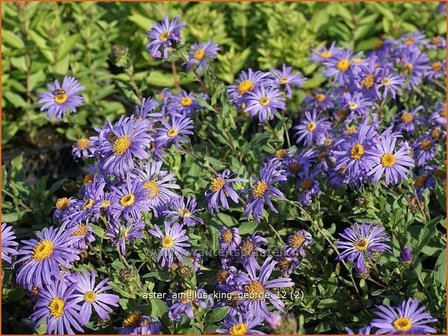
(9, 38)
(440, 268)
(248, 227)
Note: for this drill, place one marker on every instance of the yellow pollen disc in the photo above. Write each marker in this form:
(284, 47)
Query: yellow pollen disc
(311, 126)
(408, 67)
(357, 151)
(105, 204)
(184, 212)
(88, 179)
(247, 248)
(199, 54)
(306, 184)
(294, 167)
(127, 200)
(88, 204)
(255, 290)
(167, 242)
(357, 60)
(259, 189)
(62, 203)
(436, 40)
(402, 324)
(296, 240)
(409, 41)
(60, 96)
(442, 113)
(221, 276)
(435, 133)
(89, 296)
(327, 142)
(281, 153)
(217, 184)
(152, 189)
(343, 65)
(186, 101)
(368, 81)
(164, 36)
(245, 87)
(264, 101)
(132, 320)
(407, 117)
(144, 323)
(388, 160)
(227, 236)
(437, 66)
(56, 307)
(121, 145)
(320, 97)
(386, 81)
(83, 143)
(326, 54)
(420, 181)
(351, 130)
(188, 296)
(43, 250)
(81, 230)
(172, 132)
(284, 80)
(426, 144)
(361, 245)
(284, 263)
(239, 329)
(352, 106)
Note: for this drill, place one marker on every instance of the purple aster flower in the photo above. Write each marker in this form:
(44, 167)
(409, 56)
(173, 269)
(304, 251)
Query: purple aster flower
(83, 234)
(172, 241)
(257, 289)
(287, 263)
(8, 242)
(184, 210)
(437, 71)
(319, 100)
(408, 318)
(437, 42)
(129, 200)
(250, 248)
(138, 324)
(61, 98)
(298, 163)
(441, 8)
(425, 149)
(413, 40)
(298, 242)
(93, 297)
(147, 108)
(439, 116)
(362, 331)
(186, 104)
(408, 120)
(240, 325)
(164, 35)
(340, 67)
(184, 303)
(425, 180)
(128, 139)
(83, 149)
(394, 163)
(390, 83)
(41, 259)
(263, 190)
(308, 186)
(174, 131)
(56, 305)
(201, 55)
(324, 54)
(356, 103)
(221, 187)
(369, 78)
(414, 65)
(247, 83)
(63, 206)
(264, 101)
(311, 129)
(286, 79)
(406, 256)
(229, 240)
(360, 241)
(122, 234)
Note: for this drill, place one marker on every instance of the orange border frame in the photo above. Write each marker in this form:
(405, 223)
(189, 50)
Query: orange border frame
(411, 1)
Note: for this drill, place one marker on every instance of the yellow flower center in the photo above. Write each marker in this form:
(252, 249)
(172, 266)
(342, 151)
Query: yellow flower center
(199, 54)
(264, 101)
(105, 204)
(227, 236)
(62, 203)
(281, 153)
(408, 67)
(188, 296)
(121, 145)
(217, 184)
(152, 189)
(221, 276)
(402, 324)
(239, 329)
(259, 189)
(311, 126)
(320, 97)
(409, 41)
(284, 263)
(294, 167)
(167, 242)
(83, 143)
(426, 144)
(43, 250)
(186, 101)
(436, 40)
(351, 130)
(385, 81)
(89, 296)
(60, 96)
(368, 81)
(81, 230)
(245, 87)
(284, 80)
(132, 320)
(184, 212)
(443, 113)
(127, 200)
(306, 184)
(326, 54)
(361, 245)
(88, 204)
(437, 66)
(435, 133)
(164, 36)
(327, 142)
(388, 160)
(357, 151)
(407, 117)
(296, 240)
(247, 248)
(172, 132)
(88, 179)
(420, 181)
(56, 307)
(255, 290)
(343, 65)
(357, 60)
(352, 106)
